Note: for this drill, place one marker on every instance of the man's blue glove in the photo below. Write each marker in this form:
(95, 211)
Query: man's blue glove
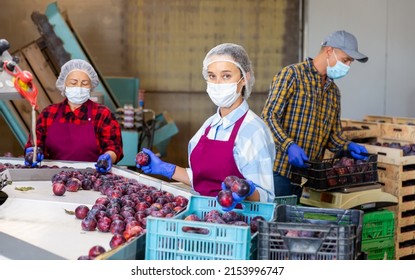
(297, 156)
(157, 166)
(28, 157)
(104, 163)
(357, 151)
(236, 197)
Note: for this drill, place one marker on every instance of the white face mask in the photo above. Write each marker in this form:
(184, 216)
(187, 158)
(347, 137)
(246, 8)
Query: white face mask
(223, 95)
(77, 95)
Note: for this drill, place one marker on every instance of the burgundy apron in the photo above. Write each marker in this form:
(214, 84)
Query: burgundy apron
(212, 161)
(68, 141)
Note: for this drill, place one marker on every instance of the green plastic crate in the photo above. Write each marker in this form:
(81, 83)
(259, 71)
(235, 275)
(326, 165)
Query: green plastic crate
(379, 249)
(286, 200)
(378, 224)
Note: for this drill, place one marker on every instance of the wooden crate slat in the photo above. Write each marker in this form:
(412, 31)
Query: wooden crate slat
(405, 120)
(405, 221)
(43, 70)
(396, 188)
(361, 129)
(398, 131)
(380, 119)
(390, 155)
(403, 252)
(394, 172)
(405, 236)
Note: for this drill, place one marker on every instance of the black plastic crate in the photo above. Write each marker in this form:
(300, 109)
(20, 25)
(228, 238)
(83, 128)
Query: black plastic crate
(308, 233)
(330, 174)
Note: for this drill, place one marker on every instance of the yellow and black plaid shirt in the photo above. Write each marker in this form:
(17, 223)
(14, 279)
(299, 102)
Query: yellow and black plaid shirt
(299, 110)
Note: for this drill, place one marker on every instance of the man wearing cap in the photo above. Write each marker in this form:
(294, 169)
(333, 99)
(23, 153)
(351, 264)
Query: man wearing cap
(303, 109)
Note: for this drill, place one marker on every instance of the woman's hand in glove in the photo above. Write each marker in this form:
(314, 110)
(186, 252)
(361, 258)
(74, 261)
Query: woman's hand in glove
(156, 166)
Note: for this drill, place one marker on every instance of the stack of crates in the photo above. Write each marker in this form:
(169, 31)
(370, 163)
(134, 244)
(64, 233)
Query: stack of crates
(378, 235)
(396, 172)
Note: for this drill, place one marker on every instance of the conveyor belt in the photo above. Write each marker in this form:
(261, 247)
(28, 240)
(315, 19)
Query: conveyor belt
(17, 249)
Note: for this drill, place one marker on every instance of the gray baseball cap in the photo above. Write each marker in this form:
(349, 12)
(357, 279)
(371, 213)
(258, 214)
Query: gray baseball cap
(347, 42)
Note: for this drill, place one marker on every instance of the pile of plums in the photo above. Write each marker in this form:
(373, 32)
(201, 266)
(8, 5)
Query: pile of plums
(348, 171)
(229, 218)
(125, 203)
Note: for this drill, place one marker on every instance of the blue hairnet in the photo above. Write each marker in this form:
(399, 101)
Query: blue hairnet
(76, 65)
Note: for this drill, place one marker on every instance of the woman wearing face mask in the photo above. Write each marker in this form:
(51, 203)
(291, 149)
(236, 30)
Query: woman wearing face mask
(303, 109)
(78, 129)
(234, 141)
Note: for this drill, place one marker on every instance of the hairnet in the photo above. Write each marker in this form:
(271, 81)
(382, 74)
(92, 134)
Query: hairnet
(235, 54)
(76, 65)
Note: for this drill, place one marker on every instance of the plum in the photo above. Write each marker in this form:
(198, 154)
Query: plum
(104, 224)
(89, 223)
(133, 231)
(73, 184)
(225, 198)
(86, 184)
(192, 217)
(142, 158)
(241, 187)
(254, 223)
(231, 216)
(58, 188)
(95, 251)
(81, 211)
(102, 200)
(117, 240)
(102, 164)
(212, 214)
(229, 181)
(117, 226)
(181, 201)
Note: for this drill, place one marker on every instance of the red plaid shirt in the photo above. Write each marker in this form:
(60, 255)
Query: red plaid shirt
(107, 128)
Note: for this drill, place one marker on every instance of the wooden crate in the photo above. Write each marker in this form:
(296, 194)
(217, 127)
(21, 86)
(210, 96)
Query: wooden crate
(390, 155)
(361, 129)
(404, 229)
(379, 119)
(398, 188)
(397, 175)
(405, 120)
(396, 172)
(400, 132)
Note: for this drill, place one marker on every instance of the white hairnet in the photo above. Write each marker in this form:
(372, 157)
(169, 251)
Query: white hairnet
(235, 54)
(76, 65)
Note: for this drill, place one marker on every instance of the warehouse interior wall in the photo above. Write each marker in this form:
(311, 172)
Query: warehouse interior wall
(163, 43)
(384, 28)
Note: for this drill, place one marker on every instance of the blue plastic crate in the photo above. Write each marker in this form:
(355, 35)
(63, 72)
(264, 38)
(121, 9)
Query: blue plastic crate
(166, 239)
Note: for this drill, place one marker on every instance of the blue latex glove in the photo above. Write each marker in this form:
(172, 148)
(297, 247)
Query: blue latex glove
(157, 166)
(39, 157)
(297, 156)
(104, 163)
(236, 198)
(356, 151)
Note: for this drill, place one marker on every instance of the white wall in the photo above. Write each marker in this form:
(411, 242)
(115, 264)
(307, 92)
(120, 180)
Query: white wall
(385, 29)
